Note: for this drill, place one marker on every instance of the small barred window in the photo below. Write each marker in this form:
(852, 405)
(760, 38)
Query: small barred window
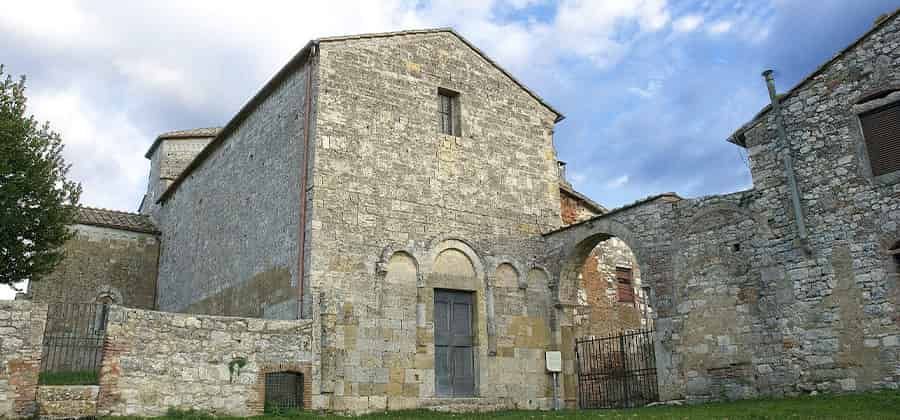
(284, 392)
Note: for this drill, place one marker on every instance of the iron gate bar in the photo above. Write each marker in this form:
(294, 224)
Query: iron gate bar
(73, 337)
(616, 370)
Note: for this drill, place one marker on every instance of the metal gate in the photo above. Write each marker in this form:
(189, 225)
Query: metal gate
(616, 371)
(73, 341)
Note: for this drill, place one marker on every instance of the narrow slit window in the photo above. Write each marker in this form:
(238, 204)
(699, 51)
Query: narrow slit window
(881, 129)
(448, 112)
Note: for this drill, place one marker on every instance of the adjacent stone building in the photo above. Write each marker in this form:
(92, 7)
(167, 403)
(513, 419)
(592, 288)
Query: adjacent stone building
(111, 259)
(397, 198)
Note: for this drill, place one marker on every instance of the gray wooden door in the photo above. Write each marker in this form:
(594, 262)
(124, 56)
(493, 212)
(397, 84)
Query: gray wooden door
(454, 362)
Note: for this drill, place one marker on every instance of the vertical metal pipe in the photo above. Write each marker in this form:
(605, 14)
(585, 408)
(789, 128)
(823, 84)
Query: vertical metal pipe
(301, 235)
(788, 160)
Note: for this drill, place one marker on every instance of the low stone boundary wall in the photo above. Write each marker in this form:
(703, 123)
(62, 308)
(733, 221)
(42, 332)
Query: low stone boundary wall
(21, 337)
(154, 361)
(67, 401)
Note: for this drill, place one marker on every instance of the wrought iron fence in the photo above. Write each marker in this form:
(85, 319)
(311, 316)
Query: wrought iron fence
(616, 371)
(73, 340)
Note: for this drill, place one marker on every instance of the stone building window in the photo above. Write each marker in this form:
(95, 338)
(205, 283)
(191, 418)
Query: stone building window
(881, 130)
(448, 111)
(284, 392)
(624, 287)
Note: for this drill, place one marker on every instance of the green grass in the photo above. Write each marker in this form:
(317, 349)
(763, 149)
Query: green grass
(68, 378)
(872, 405)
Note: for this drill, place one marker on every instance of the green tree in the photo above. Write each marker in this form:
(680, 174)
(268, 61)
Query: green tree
(37, 202)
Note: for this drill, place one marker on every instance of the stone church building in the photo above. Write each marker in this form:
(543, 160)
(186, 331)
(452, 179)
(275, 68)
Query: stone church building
(400, 193)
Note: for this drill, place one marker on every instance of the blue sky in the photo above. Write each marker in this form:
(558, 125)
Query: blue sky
(650, 89)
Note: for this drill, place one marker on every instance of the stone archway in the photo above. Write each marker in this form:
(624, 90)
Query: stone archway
(572, 261)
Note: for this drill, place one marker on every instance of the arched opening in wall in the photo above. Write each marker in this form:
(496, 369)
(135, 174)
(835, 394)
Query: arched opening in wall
(283, 393)
(610, 297)
(602, 291)
(459, 319)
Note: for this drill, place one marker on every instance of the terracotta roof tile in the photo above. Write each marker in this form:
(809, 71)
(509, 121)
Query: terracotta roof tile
(115, 219)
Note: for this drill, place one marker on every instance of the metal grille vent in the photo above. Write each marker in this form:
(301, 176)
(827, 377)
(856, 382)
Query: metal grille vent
(284, 391)
(881, 128)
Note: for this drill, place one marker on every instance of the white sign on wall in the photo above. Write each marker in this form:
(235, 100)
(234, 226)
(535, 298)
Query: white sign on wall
(554, 361)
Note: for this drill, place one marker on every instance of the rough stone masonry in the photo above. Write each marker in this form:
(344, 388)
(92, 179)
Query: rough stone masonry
(376, 175)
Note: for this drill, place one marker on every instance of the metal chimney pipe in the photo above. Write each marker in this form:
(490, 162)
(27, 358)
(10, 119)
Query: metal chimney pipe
(787, 157)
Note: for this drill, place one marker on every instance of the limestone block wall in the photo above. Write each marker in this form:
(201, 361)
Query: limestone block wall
(840, 316)
(155, 360)
(21, 337)
(230, 231)
(103, 262)
(67, 401)
(386, 181)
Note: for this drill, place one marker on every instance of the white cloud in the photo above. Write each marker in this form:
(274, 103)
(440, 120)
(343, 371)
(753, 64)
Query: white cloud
(687, 23)
(103, 146)
(720, 27)
(617, 182)
(591, 29)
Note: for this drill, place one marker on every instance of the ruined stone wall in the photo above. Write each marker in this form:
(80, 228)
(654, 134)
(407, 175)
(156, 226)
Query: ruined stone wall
(714, 336)
(229, 233)
(154, 361)
(103, 262)
(21, 338)
(454, 207)
(839, 313)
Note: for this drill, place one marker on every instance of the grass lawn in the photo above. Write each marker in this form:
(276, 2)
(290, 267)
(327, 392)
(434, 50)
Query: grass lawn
(873, 405)
(68, 378)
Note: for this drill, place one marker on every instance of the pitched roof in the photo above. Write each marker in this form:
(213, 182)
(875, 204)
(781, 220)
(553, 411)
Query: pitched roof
(879, 23)
(114, 219)
(192, 133)
(299, 59)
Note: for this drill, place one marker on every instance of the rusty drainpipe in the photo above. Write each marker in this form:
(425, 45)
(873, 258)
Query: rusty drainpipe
(301, 237)
(787, 156)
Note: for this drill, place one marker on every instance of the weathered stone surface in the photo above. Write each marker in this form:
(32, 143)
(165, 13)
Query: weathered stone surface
(21, 338)
(154, 360)
(229, 242)
(104, 264)
(67, 401)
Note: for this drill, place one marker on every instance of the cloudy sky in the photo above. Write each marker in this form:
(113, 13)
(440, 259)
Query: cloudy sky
(651, 89)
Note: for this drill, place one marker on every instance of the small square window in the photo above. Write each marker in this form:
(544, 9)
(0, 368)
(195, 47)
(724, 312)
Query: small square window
(881, 129)
(448, 112)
